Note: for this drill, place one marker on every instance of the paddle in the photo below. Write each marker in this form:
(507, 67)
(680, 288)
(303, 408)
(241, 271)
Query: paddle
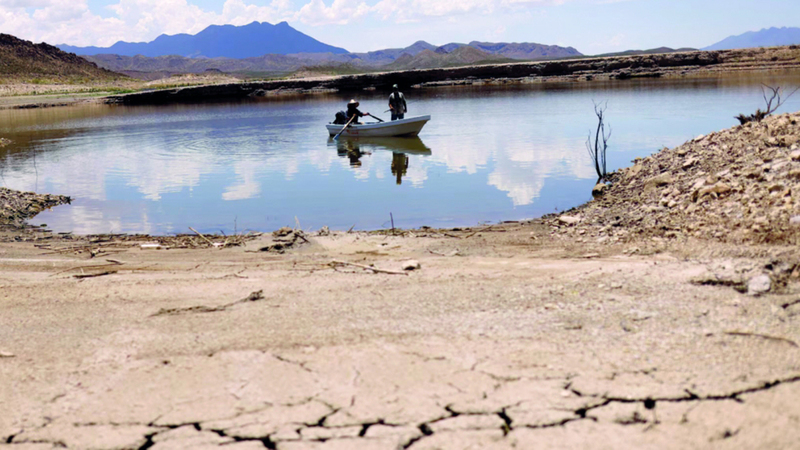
(344, 127)
(379, 119)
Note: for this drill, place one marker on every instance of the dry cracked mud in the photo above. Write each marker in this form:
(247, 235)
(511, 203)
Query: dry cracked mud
(506, 337)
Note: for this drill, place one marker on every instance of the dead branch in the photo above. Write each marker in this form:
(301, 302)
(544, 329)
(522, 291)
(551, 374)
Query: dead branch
(762, 336)
(776, 97)
(335, 263)
(788, 304)
(202, 236)
(92, 266)
(455, 252)
(253, 297)
(479, 231)
(598, 147)
(93, 275)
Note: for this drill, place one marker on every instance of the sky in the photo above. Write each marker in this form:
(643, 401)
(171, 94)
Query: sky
(590, 26)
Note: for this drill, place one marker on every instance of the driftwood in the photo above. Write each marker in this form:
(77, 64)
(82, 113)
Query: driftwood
(202, 236)
(788, 304)
(92, 275)
(762, 336)
(478, 231)
(335, 263)
(455, 252)
(111, 263)
(253, 297)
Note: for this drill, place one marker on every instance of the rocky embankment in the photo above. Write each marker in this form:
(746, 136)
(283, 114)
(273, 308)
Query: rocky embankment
(741, 185)
(584, 69)
(16, 207)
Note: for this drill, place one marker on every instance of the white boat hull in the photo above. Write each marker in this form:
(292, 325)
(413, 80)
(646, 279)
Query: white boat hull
(403, 127)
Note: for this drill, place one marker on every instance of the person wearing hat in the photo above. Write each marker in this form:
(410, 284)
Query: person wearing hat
(352, 110)
(397, 103)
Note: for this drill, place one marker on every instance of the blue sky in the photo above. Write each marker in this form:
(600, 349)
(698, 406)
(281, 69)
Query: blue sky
(591, 26)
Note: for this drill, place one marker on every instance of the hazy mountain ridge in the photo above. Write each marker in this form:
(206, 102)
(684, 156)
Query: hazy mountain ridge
(173, 64)
(20, 58)
(227, 41)
(525, 50)
(766, 37)
(428, 59)
(265, 48)
(652, 51)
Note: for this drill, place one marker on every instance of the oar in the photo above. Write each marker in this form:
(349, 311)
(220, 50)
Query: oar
(379, 119)
(347, 125)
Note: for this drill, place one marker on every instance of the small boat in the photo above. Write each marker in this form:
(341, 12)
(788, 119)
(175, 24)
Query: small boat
(403, 127)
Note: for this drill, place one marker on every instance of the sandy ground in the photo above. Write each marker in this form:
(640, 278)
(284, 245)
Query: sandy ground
(508, 337)
(16, 94)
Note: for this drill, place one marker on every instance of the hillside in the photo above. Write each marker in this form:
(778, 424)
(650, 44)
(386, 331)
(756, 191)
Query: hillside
(168, 65)
(767, 37)
(461, 56)
(652, 51)
(26, 61)
(525, 50)
(227, 41)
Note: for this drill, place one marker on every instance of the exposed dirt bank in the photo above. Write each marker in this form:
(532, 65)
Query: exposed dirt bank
(506, 336)
(16, 94)
(16, 207)
(740, 185)
(621, 67)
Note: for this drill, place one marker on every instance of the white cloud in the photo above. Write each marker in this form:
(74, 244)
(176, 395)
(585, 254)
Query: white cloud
(340, 12)
(72, 22)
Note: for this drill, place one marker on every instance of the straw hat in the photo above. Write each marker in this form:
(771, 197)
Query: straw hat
(353, 102)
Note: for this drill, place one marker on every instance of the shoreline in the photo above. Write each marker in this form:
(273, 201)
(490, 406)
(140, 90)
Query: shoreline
(664, 190)
(669, 65)
(684, 64)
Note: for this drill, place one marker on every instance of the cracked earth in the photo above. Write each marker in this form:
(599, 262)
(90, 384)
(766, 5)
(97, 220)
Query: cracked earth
(504, 338)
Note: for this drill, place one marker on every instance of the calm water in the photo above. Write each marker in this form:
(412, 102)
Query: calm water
(487, 155)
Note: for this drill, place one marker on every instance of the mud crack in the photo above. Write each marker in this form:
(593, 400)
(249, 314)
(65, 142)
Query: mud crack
(651, 402)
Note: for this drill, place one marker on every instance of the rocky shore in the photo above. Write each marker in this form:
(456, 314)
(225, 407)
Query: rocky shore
(16, 207)
(585, 69)
(740, 185)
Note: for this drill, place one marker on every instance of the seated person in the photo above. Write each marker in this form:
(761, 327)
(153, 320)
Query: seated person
(352, 110)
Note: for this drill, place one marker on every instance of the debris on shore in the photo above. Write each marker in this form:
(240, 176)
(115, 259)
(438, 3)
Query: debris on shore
(16, 207)
(4, 142)
(740, 185)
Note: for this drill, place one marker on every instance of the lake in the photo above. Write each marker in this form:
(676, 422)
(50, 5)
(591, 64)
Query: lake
(488, 154)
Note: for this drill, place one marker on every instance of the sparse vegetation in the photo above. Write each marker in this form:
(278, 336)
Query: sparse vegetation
(772, 104)
(597, 147)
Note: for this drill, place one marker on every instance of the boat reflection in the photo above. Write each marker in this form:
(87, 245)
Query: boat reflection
(355, 148)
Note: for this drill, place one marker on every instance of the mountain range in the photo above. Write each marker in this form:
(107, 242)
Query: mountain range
(274, 49)
(229, 41)
(767, 37)
(277, 65)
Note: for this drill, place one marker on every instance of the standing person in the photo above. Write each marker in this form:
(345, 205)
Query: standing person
(352, 110)
(397, 103)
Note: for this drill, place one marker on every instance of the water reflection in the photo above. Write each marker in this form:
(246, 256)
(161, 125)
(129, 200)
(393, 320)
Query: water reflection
(354, 148)
(499, 154)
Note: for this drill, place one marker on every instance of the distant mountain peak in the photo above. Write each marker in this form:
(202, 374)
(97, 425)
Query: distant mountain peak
(766, 37)
(229, 41)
